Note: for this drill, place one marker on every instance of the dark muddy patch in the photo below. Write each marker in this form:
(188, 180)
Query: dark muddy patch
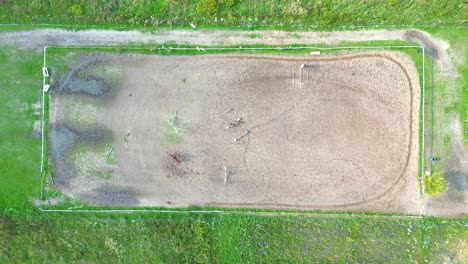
(90, 85)
(111, 195)
(456, 172)
(94, 136)
(79, 79)
(92, 77)
(61, 140)
(419, 38)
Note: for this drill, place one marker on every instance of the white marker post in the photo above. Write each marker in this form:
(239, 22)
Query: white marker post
(241, 136)
(300, 77)
(45, 72)
(225, 174)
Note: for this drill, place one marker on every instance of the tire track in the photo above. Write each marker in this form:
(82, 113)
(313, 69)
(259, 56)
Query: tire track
(408, 147)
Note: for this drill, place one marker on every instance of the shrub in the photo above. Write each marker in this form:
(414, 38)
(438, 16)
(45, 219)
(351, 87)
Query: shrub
(434, 184)
(76, 10)
(208, 7)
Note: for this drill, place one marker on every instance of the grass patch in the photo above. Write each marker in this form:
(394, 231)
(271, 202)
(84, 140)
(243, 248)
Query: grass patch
(61, 62)
(93, 160)
(191, 50)
(175, 238)
(80, 112)
(457, 101)
(253, 35)
(249, 13)
(447, 99)
(174, 129)
(20, 146)
(444, 239)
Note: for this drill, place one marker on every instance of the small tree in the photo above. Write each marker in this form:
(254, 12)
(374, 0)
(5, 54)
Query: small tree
(434, 184)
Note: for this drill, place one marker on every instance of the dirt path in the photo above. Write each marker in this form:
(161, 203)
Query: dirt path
(50, 37)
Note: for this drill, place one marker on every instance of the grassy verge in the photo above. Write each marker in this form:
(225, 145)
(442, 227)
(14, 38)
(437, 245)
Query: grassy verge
(57, 53)
(20, 144)
(172, 238)
(447, 100)
(457, 102)
(45, 157)
(170, 13)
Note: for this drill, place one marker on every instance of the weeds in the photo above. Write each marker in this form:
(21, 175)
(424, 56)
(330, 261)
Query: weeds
(176, 238)
(174, 129)
(260, 13)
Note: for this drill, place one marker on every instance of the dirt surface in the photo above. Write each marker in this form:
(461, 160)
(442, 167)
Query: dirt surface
(344, 139)
(57, 37)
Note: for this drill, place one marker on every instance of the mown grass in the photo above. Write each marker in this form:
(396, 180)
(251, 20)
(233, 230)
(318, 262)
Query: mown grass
(254, 13)
(20, 148)
(458, 102)
(175, 238)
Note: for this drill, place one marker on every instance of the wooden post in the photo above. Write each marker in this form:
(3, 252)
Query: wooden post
(227, 111)
(126, 137)
(110, 152)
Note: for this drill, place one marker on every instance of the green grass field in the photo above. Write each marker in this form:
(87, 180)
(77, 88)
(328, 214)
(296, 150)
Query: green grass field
(20, 82)
(246, 13)
(27, 235)
(173, 238)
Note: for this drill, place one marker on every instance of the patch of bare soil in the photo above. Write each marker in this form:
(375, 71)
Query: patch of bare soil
(245, 131)
(40, 38)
